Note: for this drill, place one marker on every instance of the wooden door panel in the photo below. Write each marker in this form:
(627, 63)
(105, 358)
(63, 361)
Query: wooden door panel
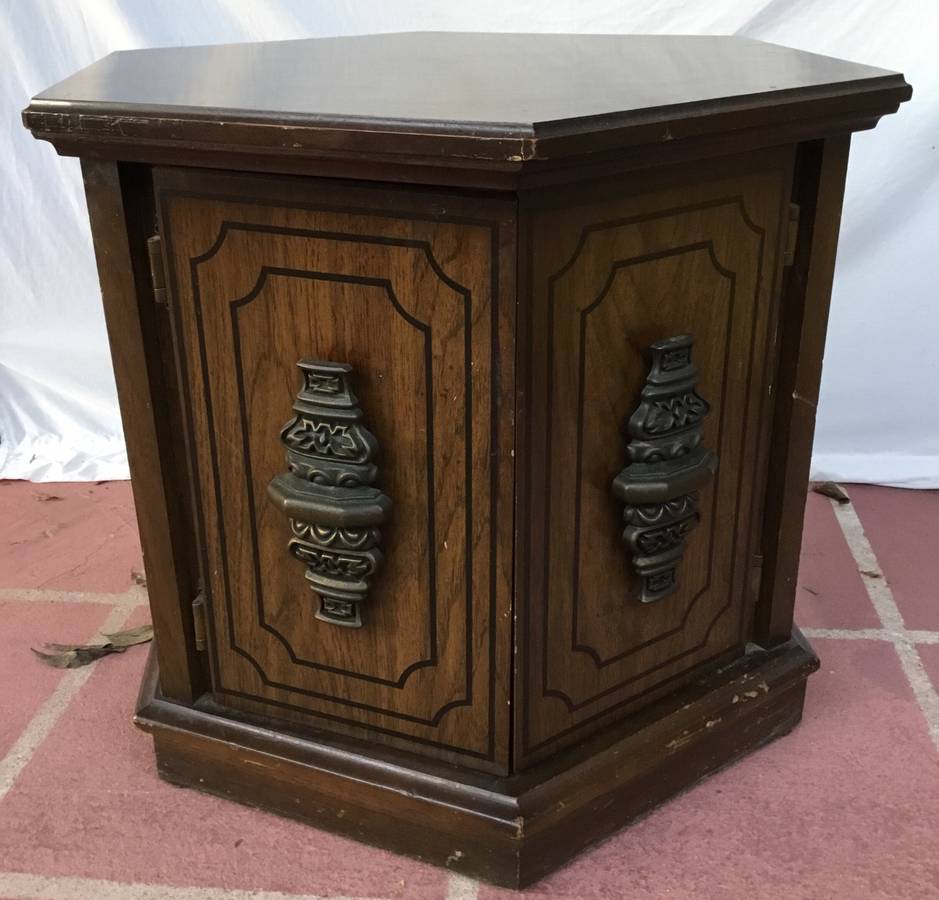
(409, 300)
(609, 279)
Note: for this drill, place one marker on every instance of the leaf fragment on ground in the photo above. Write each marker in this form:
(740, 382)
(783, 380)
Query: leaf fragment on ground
(833, 490)
(76, 656)
(139, 635)
(73, 656)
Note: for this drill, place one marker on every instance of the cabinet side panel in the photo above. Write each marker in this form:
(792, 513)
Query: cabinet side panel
(819, 191)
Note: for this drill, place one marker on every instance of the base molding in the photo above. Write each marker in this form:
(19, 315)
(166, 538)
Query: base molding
(509, 831)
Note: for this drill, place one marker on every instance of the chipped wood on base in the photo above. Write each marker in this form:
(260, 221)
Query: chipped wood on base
(509, 831)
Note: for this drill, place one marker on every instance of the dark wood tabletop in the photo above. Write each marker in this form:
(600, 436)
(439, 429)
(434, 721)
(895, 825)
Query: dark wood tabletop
(487, 96)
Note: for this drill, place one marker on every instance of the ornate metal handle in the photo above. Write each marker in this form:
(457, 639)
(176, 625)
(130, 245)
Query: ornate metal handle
(667, 465)
(328, 492)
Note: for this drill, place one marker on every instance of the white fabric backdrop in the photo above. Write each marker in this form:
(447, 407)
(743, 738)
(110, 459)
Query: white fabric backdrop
(879, 415)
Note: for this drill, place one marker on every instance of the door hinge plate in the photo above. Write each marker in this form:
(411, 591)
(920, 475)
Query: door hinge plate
(157, 273)
(792, 235)
(756, 577)
(198, 621)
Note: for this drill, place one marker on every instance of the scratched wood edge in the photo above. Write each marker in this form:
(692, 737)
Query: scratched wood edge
(509, 831)
(98, 122)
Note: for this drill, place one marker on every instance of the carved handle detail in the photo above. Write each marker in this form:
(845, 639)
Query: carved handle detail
(666, 467)
(328, 494)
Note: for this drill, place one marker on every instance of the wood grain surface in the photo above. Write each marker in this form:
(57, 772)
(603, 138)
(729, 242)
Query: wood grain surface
(411, 299)
(608, 277)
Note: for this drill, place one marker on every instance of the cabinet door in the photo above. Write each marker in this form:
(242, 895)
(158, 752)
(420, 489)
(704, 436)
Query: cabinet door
(403, 293)
(695, 253)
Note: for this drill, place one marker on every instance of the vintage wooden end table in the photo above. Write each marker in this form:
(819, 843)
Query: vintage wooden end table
(469, 386)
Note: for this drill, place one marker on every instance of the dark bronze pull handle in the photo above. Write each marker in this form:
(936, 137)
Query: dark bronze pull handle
(667, 466)
(328, 494)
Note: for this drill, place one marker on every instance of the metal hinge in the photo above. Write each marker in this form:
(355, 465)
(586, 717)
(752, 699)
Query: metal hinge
(198, 621)
(756, 577)
(792, 235)
(157, 273)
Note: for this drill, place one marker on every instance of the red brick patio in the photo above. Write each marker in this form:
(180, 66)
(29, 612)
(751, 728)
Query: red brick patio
(847, 806)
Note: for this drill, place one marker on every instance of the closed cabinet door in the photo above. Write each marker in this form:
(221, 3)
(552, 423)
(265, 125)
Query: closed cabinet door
(341, 360)
(649, 338)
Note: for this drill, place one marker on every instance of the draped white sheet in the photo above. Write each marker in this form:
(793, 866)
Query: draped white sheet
(879, 414)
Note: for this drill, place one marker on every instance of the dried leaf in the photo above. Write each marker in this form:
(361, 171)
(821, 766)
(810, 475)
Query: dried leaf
(139, 635)
(830, 489)
(72, 656)
(77, 656)
(63, 648)
(57, 660)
